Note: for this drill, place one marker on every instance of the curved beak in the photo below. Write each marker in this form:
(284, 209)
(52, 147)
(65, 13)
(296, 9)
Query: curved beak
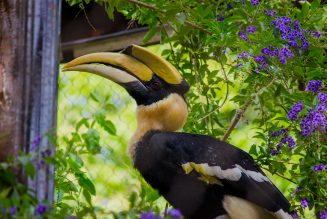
(131, 69)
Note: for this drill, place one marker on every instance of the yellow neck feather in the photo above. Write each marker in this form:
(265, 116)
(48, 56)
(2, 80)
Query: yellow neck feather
(169, 114)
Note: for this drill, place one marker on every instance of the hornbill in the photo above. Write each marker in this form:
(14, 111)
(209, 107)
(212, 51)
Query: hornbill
(201, 176)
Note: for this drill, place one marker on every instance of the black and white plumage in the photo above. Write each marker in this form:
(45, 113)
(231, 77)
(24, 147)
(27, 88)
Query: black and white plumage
(161, 156)
(203, 177)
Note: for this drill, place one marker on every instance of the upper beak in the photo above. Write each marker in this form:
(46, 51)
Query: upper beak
(130, 69)
(117, 67)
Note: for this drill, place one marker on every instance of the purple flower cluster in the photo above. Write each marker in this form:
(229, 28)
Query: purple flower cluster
(305, 202)
(319, 167)
(294, 214)
(315, 120)
(279, 132)
(322, 97)
(220, 18)
(314, 86)
(172, 213)
(254, 2)
(295, 110)
(289, 141)
(323, 214)
(274, 152)
(283, 53)
(286, 139)
(243, 36)
(291, 32)
(251, 29)
(13, 210)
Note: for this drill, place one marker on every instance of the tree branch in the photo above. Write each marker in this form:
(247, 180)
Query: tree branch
(154, 8)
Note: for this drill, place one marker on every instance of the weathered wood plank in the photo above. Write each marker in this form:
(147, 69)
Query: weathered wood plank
(29, 45)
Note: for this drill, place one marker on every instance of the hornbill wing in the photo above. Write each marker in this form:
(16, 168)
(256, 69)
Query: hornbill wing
(217, 162)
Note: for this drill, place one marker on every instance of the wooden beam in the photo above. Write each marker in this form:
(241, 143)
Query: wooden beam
(105, 43)
(29, 44)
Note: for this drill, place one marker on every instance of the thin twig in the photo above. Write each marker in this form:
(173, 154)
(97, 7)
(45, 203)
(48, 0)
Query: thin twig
(226, 96)
(87, 18)
(280, 175)
(240, 113)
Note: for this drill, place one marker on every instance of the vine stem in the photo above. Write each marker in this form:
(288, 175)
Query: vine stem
(240, 113)
(153, 7)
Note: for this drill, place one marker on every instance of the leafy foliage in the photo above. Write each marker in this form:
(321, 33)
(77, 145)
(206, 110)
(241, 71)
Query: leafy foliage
(248, 62)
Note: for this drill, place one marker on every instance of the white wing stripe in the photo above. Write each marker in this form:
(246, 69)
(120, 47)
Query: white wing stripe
(233, 174)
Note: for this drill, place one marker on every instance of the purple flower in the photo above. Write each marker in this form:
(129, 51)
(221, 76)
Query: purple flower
(298, 189)
(251, 29)
(273, 152)
(315, 168)
(243, 36)
(323, 214)
(150, 215)
(295, 110)
(220, 19)
(239, 65)
(260, 59)
(40, 164)
(290, 142)
(254, 2)
(319, 167)
(322, 97)
(294, 214)
(36, 142)
(228, 6)
(41, 209)
(13, 210)
(46, 153)
(305, 202)
(175, 213)
(270, 13)
(316, 34)
(243, 55)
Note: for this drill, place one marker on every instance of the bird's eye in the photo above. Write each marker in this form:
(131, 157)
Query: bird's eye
(155, 85)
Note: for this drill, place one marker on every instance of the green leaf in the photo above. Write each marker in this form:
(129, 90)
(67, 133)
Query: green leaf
(92, 141)
(75, 161)
(86, 183)
(107, 125)
(30, 169)
(83, 121)
(87, 197)
(150, 34)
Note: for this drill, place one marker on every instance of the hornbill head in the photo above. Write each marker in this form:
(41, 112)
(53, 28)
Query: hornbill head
(153, 82)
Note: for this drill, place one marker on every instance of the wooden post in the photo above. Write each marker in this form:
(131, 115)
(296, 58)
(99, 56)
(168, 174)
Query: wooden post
(29, 45)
